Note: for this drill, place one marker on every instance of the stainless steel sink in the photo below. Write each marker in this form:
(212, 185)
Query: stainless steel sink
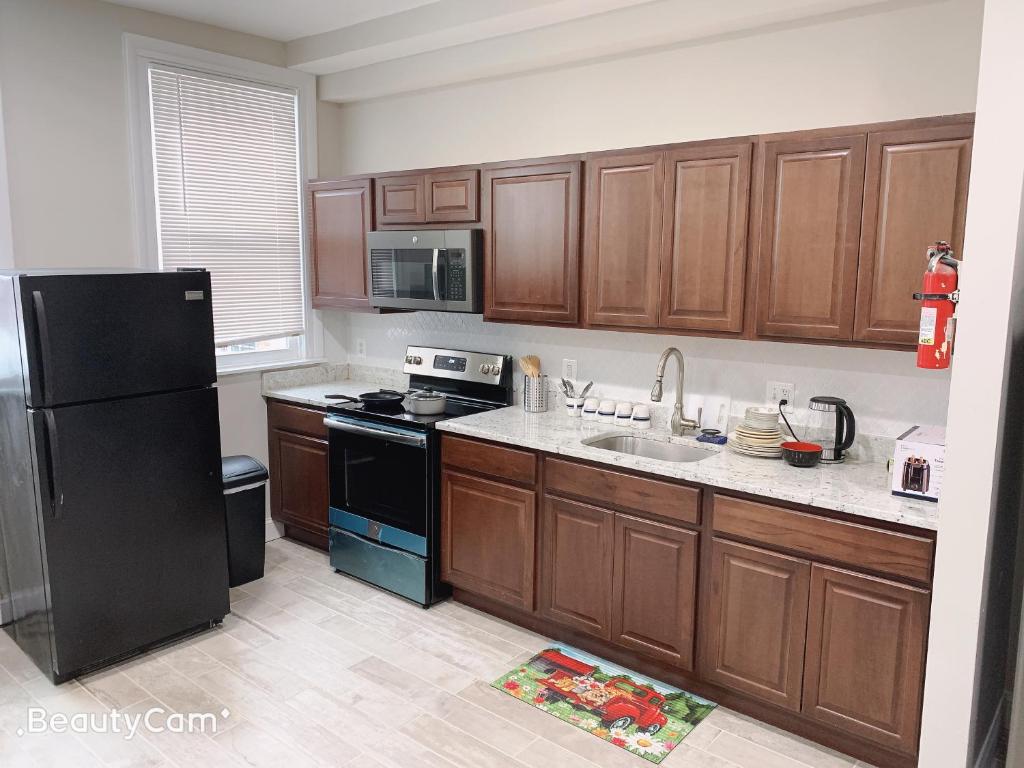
(651, 449)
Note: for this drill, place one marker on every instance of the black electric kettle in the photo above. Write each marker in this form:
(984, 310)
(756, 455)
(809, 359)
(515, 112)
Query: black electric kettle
(832, 425)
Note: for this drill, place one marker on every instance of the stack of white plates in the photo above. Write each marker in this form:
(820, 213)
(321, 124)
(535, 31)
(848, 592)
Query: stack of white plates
(758, 434)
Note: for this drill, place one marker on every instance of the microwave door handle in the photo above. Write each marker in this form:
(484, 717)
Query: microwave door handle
(437, 256)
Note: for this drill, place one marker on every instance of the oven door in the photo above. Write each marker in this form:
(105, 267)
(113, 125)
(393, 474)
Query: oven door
(380, 482)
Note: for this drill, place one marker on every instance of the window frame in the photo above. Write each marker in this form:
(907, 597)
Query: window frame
(139, 54)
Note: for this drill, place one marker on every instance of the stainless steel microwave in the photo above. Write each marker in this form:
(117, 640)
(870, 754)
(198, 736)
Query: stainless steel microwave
(436, 269)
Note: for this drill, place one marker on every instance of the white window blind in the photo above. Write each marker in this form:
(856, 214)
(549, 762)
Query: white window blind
(226, 177)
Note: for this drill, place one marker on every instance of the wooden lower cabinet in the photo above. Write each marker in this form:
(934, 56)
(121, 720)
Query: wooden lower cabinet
(487, 538)
(654, 589)
(298, 483)
(747, 613)
(576, 565)
(865, 656)
(756, 622)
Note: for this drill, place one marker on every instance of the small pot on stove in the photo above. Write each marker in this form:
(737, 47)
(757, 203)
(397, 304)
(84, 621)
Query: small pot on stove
(425, 402)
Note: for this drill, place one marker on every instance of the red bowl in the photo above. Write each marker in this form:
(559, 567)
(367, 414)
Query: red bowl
(800, 454)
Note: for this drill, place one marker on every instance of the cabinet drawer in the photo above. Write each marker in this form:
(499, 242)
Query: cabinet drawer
(628, 492)
(490, 459)
(896, 554)
(293, 418)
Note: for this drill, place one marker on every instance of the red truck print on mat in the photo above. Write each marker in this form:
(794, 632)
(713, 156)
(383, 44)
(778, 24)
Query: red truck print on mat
(619, 702)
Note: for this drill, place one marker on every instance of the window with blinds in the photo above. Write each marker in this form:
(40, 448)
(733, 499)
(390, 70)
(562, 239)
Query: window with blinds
(226, 178)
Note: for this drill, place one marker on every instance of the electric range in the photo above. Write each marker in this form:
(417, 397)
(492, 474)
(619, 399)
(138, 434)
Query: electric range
(385, 468)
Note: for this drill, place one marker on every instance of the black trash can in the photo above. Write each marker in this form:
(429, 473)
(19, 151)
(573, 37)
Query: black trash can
(245, 481)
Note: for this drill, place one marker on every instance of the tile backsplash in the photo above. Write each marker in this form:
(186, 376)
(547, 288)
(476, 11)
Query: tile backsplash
(884, 388)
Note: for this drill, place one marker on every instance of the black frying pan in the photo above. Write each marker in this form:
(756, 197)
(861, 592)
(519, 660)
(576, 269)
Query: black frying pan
(385, 399)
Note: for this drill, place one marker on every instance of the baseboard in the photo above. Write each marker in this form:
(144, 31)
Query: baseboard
(987, 752)
(274, 530)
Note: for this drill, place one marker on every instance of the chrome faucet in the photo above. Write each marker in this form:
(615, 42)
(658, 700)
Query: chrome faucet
(678, 423)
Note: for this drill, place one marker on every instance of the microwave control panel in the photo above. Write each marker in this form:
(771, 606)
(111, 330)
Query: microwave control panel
(456, 277)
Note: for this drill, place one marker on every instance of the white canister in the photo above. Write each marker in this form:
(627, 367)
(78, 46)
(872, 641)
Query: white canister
(623, 414)
(641, 417)
(606, 411)
(590, 406)
(574, 407)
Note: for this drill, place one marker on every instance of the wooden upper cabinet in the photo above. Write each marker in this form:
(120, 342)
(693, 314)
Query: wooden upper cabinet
(654, 592)
(812, 191)
(400, 200)
(576, 565)
(452, 196)
(531, 242)
(622, 239)
(341, 213)
(915, 193)
(865, 656)
(487, 538)
(755, 624)
(704, 245)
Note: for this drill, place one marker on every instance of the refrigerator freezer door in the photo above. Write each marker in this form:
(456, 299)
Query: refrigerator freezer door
(102, 336)
(133, 522)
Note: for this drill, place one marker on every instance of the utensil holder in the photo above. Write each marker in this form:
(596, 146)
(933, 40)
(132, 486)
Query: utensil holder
(535, 393)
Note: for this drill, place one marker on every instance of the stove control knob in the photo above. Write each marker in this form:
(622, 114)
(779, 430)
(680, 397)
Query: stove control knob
(417, 360)
(484, 368)
(496, 370)
(409, 359)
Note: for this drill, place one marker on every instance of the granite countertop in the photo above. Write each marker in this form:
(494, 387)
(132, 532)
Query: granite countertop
(311, 385)
(855, 487)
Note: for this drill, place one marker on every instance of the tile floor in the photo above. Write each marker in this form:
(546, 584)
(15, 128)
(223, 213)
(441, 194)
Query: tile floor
(315, 669)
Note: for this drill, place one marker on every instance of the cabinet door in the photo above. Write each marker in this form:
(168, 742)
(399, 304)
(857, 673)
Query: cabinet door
(400, 200)
(622, 239)
(298, 482)
(754, 633)
(865, 656)
(487, 538)
(654, 589)
(810, 229)
(531, 243)
(452, 196)
(704, 245)
(915, 193)
(576, 565)
(341, 215)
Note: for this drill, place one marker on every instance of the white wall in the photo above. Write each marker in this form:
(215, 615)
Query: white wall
(921, 60)
(983, 410)
(67, 154)
(858, 68)
(6, 240)
(885, 390)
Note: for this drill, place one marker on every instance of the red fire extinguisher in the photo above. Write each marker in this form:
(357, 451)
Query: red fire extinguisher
(939, 296)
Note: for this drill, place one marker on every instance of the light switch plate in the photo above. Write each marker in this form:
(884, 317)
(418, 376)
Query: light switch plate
(780, 390)
(569, 370)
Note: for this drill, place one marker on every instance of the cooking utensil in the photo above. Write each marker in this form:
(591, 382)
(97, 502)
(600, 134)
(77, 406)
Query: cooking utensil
(425, 402)
(384, 400)
(530, 365)
(800, 454)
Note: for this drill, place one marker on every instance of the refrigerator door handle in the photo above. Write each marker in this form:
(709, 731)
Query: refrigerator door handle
(43, 335)
(53, 455)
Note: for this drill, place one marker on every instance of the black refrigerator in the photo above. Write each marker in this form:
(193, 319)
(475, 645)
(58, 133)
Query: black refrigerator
(112, 531)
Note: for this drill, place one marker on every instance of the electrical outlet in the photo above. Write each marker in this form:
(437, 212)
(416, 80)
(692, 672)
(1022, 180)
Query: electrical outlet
(569, 369)
(779, 390)
(360, 347)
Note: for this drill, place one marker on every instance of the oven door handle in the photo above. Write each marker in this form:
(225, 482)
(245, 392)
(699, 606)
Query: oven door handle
(419, 441)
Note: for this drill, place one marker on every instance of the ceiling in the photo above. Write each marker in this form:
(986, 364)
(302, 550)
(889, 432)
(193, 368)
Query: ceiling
(364, 49)
(279, 20)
